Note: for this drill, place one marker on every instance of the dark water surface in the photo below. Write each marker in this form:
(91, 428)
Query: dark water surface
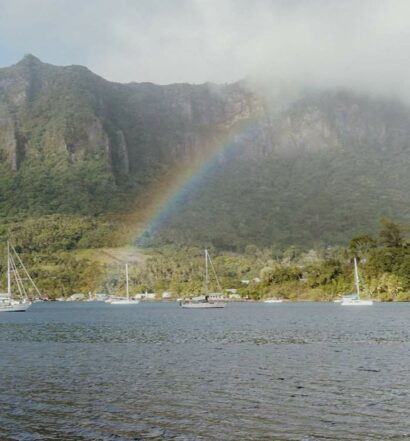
(71, 371)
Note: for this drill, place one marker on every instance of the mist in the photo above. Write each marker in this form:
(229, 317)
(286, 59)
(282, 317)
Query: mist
(360, 45)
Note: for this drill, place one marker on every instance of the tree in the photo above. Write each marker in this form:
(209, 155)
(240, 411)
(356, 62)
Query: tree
(359, 246)
(390, 234)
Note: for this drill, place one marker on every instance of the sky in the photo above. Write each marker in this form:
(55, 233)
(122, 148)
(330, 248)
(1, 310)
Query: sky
(363, 44)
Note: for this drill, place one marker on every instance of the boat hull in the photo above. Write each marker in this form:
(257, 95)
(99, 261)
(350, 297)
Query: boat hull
(273, 301)
(205, 305)
(15, 307)
(123, 302)
(356, 302)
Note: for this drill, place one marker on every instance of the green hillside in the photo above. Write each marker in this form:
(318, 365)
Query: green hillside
(311, 171)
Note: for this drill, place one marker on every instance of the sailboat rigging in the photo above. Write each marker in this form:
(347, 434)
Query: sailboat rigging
(355, 300)
(9, 302)
(121, 300)
(207, 300)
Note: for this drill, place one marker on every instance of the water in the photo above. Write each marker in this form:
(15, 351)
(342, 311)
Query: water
(71, 371)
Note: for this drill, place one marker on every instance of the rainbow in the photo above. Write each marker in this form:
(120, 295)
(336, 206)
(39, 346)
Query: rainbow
(167, 194)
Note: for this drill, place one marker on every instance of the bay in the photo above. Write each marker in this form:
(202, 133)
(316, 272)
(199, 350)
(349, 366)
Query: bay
(250, 371)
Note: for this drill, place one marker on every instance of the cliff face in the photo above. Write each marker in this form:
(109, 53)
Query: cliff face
(70, 111)
(70, 140)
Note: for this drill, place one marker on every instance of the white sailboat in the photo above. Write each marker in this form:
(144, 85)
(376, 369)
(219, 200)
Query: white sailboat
(355, 300)
(273, 301)
(8, 301)
(122, 300)
(207, 300)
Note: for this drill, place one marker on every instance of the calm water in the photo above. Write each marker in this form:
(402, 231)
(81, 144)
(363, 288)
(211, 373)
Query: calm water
(71, 371)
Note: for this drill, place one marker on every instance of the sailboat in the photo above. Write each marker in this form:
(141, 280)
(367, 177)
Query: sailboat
(8, 301)
(121, 300)
(355, 300)
(207, 300)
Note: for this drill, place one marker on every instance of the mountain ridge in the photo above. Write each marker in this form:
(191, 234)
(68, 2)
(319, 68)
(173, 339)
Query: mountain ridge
(326, 165)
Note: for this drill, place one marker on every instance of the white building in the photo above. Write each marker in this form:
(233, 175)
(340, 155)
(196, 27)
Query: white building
(145, 296)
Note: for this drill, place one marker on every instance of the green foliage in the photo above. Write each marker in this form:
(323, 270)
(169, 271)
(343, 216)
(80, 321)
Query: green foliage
(359, 246)
(390, 234)
(52, 233)
(46, 245)
(280, 274)
(61, 274)
(51, 185)
(76, 150)
(50, 246)
(83, 145)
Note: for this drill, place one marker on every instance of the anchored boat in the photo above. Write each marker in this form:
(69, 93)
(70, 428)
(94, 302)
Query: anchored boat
(354, 299)
(10, 301)
(207, 300)
(122, 300)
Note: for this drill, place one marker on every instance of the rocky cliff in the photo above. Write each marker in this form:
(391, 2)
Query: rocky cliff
(316, 168)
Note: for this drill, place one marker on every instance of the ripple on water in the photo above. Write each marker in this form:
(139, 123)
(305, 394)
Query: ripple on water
(295, 372)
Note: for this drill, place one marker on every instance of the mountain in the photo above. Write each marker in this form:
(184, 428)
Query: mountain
(314, 168)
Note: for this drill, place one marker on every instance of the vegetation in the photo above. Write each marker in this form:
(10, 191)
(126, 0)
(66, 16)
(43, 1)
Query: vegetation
(323, 169)
(278, 194)
(59, 251)
(292, 273)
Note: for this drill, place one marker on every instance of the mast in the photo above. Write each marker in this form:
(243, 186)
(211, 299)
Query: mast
(126, 278)
(206, 271)
(24, 268)
(213, 270)
(8, 270)
(356, 278)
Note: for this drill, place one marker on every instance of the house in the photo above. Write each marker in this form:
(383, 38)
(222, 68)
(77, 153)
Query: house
(145, 296)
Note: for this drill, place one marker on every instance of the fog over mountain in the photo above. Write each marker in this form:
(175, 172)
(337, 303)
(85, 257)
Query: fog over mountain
(321, 87)
(305, 43)
(325, 166)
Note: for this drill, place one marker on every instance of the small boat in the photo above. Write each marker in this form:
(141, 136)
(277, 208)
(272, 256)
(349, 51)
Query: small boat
(354, 299)
(273, 301)
(8, 301)
(123, 300)
(205, 301)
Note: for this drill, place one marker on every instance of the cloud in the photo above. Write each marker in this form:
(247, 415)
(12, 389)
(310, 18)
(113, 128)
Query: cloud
(325, 43)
